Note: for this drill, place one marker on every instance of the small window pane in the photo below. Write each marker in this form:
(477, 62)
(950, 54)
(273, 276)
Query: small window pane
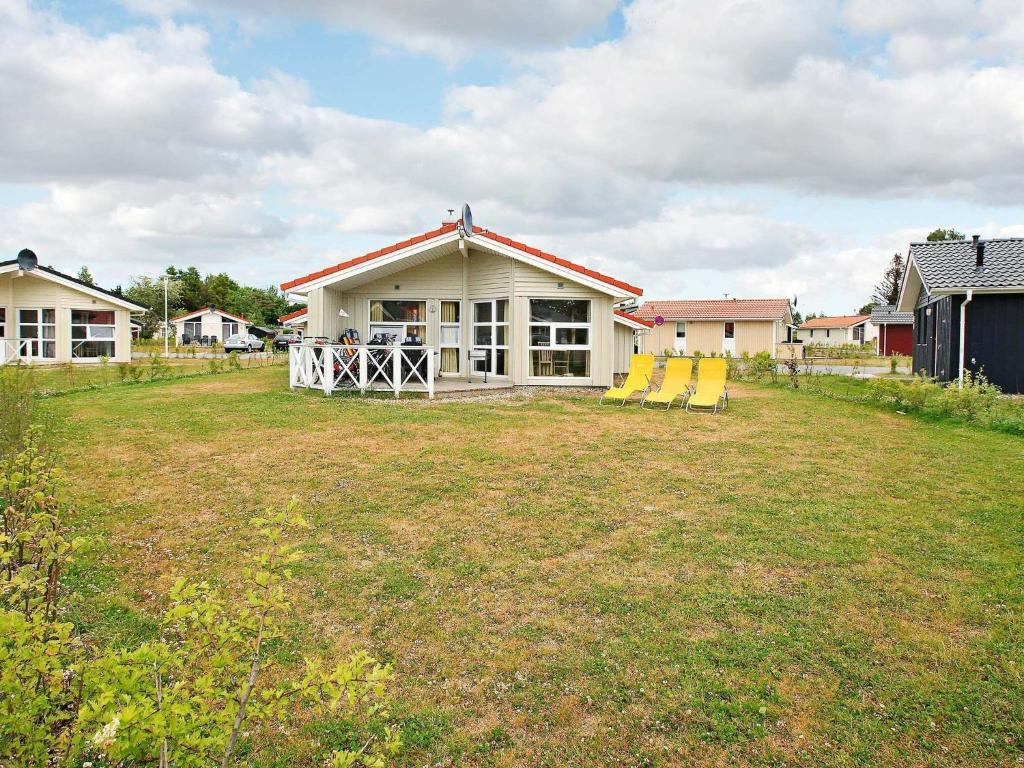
(49, 316)
(449, 336)
(450, 311)
(482, 312)
(502, 310)
(499, 338)
(78, 331)
(540, 335)
(571, 336)
(482, 336)
(730, 330)
(560, 310)
(501, 363)
(28, 316)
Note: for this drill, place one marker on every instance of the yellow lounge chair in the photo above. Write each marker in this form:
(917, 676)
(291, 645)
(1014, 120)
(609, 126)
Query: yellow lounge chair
(641, 369)
(676, 383)
(711, 390)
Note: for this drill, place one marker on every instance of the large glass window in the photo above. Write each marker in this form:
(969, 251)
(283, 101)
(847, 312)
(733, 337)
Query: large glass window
(401, 319)
(490, 335)
(858, 334)
(38, 329)
(193, 328)
(229, 328)
(560, 337)
(92, 333)
(451, 335)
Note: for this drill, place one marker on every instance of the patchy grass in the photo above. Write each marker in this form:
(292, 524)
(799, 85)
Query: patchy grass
(797, 581)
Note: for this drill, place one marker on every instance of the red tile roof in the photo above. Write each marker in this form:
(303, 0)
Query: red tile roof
(445, 229)
(839, 321)
(200, 311)
(292, 315)
(634, 318)
(716, 309)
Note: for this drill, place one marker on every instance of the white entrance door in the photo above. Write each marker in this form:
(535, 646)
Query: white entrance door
(490, 337)
(729, 339)
(680, 339)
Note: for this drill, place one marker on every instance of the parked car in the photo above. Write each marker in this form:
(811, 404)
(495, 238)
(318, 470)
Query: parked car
(285, 340)
(243, 342)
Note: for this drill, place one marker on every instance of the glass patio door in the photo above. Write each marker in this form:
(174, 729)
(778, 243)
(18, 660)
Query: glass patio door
(490, 336)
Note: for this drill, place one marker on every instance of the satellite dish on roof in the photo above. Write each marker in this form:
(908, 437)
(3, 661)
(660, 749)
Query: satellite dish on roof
(27, 260)
(467, 221)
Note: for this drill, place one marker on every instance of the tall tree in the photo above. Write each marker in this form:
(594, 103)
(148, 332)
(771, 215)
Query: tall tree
(945, 234)
(86, 276)
(150, 293)
(888, 291)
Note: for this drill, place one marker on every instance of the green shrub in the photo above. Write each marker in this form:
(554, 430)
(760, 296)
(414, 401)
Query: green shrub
(192, 697)
(234, 362)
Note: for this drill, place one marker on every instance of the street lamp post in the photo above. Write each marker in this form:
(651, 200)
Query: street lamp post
(166, 323)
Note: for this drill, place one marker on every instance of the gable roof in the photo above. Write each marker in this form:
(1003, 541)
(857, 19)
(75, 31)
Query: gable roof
(49, 273)
(950, 265)
(716, 309)
(632, 321)
(838, 321)
(293, 315)
(448, 229)
(886, 314)
(215, 310)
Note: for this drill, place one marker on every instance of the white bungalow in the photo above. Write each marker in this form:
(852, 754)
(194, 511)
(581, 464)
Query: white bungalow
(47, 316)
(482, 304)
(209, 322)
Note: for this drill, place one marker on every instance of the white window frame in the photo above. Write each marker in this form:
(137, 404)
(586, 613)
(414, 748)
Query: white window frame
(233, 323)
(858, 330)
(493, 347)
(3, 322)
(457, 346)
(398, 324)
(680, 339)
(194, 322)
(553, 328)
(41, 339)
(112, 338)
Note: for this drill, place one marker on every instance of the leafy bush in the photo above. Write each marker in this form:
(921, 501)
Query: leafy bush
(191, 697)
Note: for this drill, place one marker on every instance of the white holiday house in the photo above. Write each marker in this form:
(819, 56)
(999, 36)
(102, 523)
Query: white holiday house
(480, 303)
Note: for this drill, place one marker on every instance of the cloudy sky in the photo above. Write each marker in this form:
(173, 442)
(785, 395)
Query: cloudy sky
(749, 147)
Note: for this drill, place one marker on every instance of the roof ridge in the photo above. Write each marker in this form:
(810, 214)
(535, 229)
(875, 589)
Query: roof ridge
(447, 228)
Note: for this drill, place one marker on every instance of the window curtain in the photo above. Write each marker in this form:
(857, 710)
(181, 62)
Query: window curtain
(449, 312)
(376, 312)
(449, 360)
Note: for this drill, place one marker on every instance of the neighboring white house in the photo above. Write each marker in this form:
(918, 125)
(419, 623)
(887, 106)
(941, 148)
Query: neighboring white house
(630, 334)
(295, 320)
(717, 326)
(482, 303)
(838, 330)
(49, 317)
(209, 322)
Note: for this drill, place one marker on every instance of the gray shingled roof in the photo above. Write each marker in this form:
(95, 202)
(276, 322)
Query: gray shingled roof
(951, 264)
(883, 314)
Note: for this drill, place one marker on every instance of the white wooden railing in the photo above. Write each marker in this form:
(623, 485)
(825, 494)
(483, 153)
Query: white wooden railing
(358, 367)
(14, 350)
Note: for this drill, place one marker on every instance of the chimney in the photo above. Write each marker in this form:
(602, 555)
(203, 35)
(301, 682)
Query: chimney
(979, 252)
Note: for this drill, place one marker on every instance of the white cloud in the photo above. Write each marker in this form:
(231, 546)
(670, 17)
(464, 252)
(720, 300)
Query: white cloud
(440, 27)
(149, 153)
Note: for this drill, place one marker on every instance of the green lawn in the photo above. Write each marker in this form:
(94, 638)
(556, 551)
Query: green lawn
(797, 581)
